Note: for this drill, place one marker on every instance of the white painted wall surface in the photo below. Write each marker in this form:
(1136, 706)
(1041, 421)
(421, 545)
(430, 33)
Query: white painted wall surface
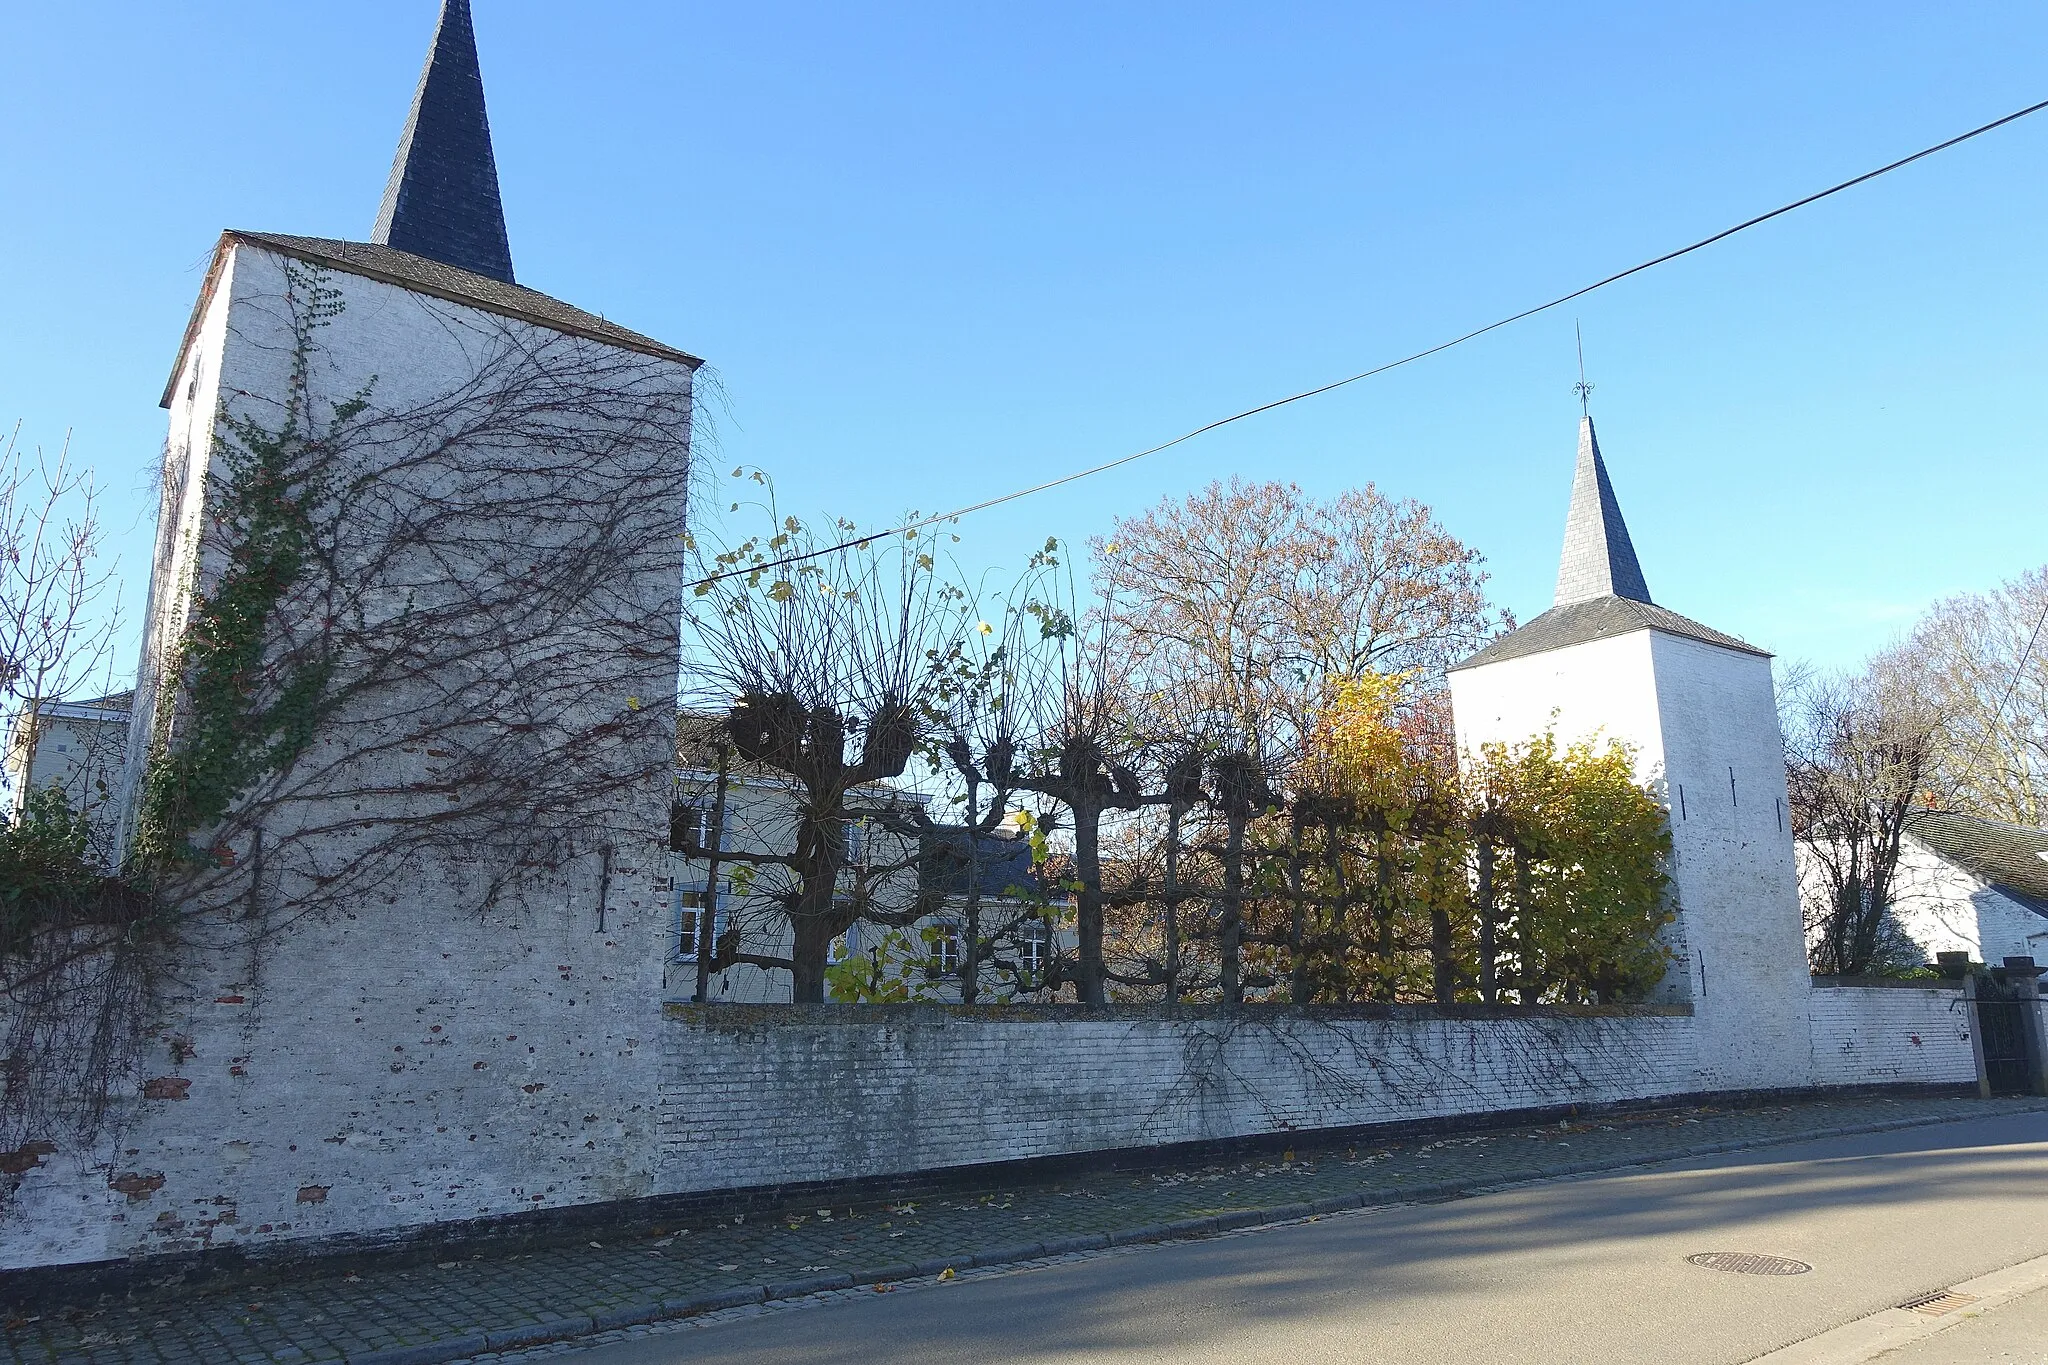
(411, 1058)
(767, 1096)
(1738, 891)
(1948, 909)
(1891, 1035)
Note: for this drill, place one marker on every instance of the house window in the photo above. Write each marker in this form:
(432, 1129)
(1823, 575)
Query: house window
(1034, 943)
(857, 843)
(690, 826)
(946, 950)
(689, 906)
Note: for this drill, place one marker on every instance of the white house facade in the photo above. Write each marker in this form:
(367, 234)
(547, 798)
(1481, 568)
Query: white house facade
(1970, 885)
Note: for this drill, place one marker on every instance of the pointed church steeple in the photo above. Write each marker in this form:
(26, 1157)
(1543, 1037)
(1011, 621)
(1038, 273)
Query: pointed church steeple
(1599, 560)
(442, 200)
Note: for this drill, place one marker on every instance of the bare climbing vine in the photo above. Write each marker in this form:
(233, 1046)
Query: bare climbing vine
(407, 645)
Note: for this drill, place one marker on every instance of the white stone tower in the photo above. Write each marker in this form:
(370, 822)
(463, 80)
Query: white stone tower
(379, 1030)
(1699, 710)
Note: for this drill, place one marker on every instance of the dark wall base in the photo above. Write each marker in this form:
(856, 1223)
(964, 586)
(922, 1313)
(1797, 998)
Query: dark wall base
(94, 1281)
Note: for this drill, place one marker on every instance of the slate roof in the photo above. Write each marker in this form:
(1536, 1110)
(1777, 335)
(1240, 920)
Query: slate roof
(1600, 587)
(2011, 858)
(424, 276)
(1599, 619)
(1599, 559)
(442, 200)
(1005, 863)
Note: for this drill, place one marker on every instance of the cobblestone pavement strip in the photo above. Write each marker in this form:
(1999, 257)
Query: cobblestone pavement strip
(497, 1302)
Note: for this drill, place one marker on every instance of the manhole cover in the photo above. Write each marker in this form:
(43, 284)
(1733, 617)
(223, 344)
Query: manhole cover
(1749, 1263)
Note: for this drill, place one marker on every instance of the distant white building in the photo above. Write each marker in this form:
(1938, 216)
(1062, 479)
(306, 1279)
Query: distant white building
(77, 747)
(1976, 886)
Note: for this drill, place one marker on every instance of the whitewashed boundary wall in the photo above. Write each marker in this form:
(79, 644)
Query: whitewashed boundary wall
(1891, 1035)
(755, 1096)
(340, 1110)
(785, 1094)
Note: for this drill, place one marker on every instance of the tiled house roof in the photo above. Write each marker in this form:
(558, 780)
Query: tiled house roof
(2011, 858)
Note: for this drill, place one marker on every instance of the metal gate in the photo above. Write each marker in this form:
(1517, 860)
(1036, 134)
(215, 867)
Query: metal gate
(2002, 1025)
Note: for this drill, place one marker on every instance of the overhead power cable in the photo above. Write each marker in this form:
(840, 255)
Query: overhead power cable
(922, 522)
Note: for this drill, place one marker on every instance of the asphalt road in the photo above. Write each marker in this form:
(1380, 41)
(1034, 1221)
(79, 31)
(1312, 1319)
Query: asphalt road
(1592, 1269)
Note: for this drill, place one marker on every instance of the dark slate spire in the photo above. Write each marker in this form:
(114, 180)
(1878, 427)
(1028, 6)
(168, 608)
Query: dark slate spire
(442, 202)
(1599, 560)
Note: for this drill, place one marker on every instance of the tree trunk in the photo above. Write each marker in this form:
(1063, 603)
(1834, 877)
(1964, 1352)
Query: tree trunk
(707, 903)
(1489, 981)
(1088, 900)
(1233, 908)
(1173, 813)
(820, 844)
(1383, 915)
(1527, 987)
(970, 931)
(1297, 929)
(1443, 967)
(810, 953)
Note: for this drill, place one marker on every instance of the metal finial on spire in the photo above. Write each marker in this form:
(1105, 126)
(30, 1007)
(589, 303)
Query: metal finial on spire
(1582, 388)
(442, 201)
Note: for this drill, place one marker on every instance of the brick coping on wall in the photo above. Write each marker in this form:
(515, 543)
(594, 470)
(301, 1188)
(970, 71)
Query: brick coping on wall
(499, 1234)
(724, 1014)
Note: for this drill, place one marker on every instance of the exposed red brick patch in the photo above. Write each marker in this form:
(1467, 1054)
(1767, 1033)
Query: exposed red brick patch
(166, 1088)
(136, 1186)
(313, 1194)
(26, 1157)
(229, 1000)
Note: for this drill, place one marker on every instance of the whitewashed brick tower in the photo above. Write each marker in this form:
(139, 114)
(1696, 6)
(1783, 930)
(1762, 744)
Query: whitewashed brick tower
(1699, 710)
(422, 1053)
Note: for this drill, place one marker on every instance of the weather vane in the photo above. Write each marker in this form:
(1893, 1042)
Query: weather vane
(1582, 388)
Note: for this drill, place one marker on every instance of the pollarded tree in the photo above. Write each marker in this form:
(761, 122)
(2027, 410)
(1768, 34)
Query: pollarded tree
(834, 669)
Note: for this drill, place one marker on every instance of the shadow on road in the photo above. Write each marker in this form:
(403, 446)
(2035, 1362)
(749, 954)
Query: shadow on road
(1600, 1256)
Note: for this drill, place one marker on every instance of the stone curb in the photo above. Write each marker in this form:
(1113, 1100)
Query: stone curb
(633, 1315)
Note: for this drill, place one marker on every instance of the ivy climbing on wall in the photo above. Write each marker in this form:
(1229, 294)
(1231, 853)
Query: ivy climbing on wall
(224, 719)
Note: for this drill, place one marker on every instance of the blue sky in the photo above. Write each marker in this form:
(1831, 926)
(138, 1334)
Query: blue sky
(936, 252)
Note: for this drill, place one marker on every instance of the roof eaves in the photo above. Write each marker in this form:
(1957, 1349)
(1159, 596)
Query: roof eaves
(300, 249)
(206, 288)
(304, 249)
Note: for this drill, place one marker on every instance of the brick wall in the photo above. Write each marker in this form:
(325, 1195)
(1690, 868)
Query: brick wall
(1890, 1035)
(755, 1096)
(491, 1081)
